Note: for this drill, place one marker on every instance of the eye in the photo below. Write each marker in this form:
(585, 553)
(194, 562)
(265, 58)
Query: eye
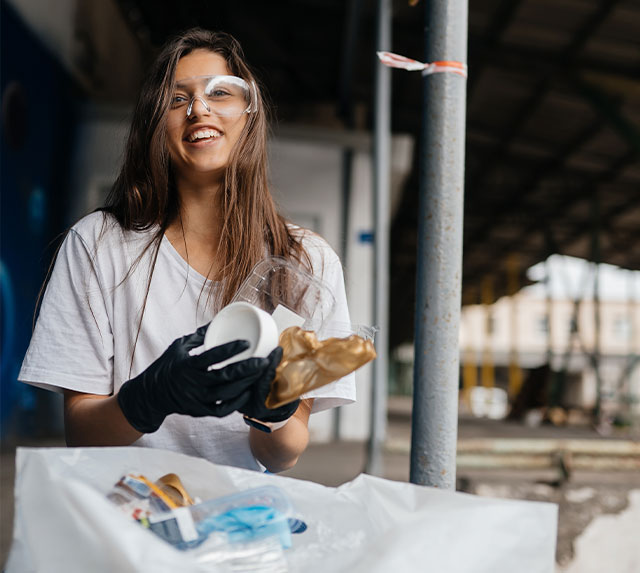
(178, 100)
(219, 92)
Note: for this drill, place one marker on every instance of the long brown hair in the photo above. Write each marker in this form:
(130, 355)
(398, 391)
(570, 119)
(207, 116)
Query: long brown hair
(144, 195)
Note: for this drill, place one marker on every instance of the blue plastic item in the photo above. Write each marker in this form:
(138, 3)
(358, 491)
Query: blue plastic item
(249, 515)
(248, 523)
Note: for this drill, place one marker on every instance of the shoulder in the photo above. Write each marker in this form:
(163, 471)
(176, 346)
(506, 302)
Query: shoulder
(112, 252)
(320, 252)
(96, 226)
(101, 233)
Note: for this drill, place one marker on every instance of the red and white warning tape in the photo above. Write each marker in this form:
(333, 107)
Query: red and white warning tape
(397, 61)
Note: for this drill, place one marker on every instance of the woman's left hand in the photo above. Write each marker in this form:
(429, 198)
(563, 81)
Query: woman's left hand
(256, 411)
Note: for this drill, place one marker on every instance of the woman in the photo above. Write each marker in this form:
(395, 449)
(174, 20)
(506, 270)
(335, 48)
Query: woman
(187, 219)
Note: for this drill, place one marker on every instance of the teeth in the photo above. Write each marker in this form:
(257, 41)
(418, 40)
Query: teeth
(204, 134)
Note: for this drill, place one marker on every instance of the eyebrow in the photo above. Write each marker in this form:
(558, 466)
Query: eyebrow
(180, 83)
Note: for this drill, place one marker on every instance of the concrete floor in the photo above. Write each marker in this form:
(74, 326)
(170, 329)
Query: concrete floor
(583, 498)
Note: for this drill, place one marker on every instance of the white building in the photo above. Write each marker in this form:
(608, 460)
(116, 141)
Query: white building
(534, 327)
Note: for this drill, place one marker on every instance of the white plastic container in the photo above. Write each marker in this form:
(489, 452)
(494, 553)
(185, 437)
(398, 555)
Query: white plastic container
(288, 292)
(294, 297)
(242, 321)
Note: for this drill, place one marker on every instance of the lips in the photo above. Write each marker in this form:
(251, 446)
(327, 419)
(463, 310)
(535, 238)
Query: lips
(203, 133)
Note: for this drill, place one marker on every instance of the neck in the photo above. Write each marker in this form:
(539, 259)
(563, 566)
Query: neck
(195, 232)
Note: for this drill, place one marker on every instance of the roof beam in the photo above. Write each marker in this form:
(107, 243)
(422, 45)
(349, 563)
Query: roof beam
(540, 90)
(558, 215)
(554, 163)
(492, 37)
(608, 110)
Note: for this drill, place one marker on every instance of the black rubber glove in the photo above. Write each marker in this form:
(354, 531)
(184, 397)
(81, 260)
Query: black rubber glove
(178, 383)
(255, 410)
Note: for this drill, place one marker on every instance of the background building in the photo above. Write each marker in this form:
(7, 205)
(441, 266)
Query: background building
(579, 349)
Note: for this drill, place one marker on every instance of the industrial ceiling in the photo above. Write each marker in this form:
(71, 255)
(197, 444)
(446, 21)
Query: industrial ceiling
(553, 117)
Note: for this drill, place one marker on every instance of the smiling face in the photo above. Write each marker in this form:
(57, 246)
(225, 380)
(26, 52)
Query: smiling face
(200, 143)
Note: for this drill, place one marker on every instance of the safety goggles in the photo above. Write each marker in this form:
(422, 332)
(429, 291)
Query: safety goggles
(224, 96)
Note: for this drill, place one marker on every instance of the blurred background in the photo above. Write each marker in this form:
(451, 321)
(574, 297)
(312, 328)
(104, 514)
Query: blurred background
(550, 327)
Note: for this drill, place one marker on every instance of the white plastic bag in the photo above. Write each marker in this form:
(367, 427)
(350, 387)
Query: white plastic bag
(63, 522)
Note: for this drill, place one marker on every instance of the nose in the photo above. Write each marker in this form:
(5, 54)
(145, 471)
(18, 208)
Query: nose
(191, 109)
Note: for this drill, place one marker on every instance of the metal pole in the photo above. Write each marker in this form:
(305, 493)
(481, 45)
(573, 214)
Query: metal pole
(557, 379)
(382, 184)
(439, 265)
(346, 112)
(549, 305)
(596, 258)
(515, 372)
(488, 368)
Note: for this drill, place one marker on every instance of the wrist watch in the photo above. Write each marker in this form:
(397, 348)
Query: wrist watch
(267, 427)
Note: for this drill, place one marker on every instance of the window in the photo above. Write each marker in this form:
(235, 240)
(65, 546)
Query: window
(622, 327)
(491, 325)
(542, 323)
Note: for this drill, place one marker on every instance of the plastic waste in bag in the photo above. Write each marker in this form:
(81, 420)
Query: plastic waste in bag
(246, 529)
(245, 516)
(64, 522)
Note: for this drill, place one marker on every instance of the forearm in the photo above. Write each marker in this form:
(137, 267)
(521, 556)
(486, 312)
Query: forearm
(280, 450)
(92, 420)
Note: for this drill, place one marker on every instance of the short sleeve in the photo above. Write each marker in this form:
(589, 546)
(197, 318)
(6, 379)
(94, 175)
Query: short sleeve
(72, 343)
(327, 266)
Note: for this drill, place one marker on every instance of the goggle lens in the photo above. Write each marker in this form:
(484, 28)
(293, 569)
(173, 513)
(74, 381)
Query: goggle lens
(226, 96)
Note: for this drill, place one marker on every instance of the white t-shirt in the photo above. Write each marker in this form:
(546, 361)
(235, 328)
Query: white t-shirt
(88, 321)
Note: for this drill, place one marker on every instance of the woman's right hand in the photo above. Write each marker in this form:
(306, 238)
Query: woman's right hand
(181, 383)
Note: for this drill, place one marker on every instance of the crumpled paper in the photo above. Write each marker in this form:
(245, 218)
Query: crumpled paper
(308, 363)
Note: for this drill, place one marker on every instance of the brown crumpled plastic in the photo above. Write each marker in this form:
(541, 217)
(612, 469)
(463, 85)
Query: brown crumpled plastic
(309, 363)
